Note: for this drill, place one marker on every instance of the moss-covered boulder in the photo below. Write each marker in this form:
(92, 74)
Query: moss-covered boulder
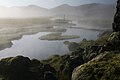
(106, 66)
(114, 37)
(22, 68)
(113, 42)
(64, 65)
(15, 68)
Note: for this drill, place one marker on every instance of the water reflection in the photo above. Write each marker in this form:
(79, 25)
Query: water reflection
(33, 47)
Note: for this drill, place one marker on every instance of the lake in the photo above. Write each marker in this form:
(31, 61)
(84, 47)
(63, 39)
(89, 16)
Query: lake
(31, 46)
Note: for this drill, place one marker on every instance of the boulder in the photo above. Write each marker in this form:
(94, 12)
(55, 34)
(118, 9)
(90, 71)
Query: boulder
(113, 42)
(22, 68)
(105, 66)
(15, 68)
(116, 24)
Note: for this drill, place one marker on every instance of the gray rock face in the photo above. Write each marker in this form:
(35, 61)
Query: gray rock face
(116, 24)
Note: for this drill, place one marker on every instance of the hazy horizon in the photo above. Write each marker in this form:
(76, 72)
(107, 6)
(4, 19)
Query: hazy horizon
(51, 3)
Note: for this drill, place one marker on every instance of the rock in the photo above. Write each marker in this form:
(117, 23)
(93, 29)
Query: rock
(72, 46)
(66, 42)
(94, 49)
(49, 76)
(91, 52)
(92, 55)
(22, 68)
(114, 37)
(75, 61)
(113, 42)
(65, 64)
(116, 24)
(104, 67)
(16, 68)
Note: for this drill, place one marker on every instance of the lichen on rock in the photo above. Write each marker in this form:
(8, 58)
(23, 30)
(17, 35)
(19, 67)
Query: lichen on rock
(105, 66)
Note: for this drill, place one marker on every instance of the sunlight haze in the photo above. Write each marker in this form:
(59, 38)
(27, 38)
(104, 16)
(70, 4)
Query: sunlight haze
(51, 3)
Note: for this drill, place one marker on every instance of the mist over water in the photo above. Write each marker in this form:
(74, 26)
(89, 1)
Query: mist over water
(19, 21)
(31, 46)
(93, 10)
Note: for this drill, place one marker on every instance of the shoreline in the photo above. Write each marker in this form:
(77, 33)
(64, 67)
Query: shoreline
(7, 42)
(20, 32)
(102, 29)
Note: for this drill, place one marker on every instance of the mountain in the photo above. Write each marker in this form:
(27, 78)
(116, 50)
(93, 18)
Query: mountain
(93, 60)
(94, 10)
(23, 11)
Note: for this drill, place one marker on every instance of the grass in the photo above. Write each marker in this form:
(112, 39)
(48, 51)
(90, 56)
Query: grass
(58, 36)
(13, 29)
(104, 68)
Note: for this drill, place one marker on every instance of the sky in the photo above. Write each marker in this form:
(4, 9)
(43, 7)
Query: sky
(51, 3)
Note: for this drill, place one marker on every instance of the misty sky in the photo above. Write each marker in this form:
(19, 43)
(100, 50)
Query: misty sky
(51, 3)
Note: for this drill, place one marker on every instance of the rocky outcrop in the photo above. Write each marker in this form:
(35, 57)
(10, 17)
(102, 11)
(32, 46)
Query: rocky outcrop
(113, 42)
(116, 24)
(89, 60)
(22, 68)
(64, 65)
(105, 66)
(72, 46)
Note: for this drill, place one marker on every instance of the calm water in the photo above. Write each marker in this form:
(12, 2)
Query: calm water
(31, 46)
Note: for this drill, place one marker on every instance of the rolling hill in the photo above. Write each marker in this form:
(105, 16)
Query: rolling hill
(94, 10)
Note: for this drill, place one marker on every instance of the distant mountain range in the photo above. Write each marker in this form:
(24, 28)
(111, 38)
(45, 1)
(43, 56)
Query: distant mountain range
(94, 10)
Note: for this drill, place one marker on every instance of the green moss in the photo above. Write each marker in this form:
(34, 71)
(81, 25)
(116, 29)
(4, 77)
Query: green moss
(106, 68)
(65, 64)
(86, 43)
(114, 37)
(58, 36)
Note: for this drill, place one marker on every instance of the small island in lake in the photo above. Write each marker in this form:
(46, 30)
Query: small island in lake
(58, 36)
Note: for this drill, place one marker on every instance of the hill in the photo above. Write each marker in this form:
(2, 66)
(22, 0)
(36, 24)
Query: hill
(92, 60)
(94, 10)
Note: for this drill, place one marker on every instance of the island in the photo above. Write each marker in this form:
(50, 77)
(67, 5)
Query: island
(58, 36)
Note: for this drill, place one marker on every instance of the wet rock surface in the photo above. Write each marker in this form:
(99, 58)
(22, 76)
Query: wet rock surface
(22, 68)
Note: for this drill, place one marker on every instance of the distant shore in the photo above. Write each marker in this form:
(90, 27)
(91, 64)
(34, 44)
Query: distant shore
(9, 34)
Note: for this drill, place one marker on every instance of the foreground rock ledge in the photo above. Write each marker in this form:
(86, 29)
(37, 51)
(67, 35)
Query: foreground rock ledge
(22, 68)
(104, 67)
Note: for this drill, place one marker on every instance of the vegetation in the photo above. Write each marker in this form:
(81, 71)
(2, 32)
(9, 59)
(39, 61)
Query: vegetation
(92, 60)
(105, 66)
(13, 29)
(22, 68)
(24, 21)
(99, 60)
(58, 36)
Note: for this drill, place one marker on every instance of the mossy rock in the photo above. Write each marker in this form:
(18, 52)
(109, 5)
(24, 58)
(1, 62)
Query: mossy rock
(22, 68)
(104, 67)
(113, 42)
(58, 36)
(114, 37)
(65, 64)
